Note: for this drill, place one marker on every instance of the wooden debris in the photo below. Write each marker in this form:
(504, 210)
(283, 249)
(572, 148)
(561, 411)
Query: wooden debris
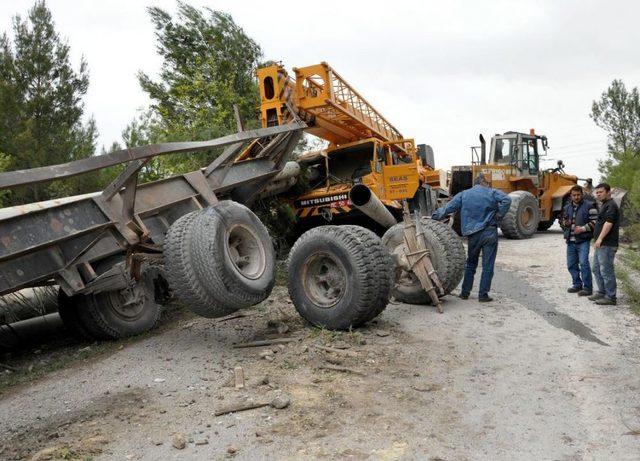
(334, 350)
(279, 402)
(266, 342)
(237, 315)
(238, 376)
(240, 407)
(341, 369)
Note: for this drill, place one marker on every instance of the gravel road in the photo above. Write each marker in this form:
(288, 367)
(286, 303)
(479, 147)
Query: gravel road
(537, 374)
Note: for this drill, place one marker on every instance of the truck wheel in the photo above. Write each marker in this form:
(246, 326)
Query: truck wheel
(447, 256)
(120, 313)
(521, 221)
(339, 276)
(219, 259)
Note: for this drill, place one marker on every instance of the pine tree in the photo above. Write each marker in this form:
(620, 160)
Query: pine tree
(41, 108)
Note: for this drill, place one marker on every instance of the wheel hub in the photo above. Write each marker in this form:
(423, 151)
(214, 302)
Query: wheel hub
(245, 252)
(324, 280)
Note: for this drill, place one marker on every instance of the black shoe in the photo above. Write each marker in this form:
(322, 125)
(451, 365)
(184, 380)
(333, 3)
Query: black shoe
(463, 295)
(596, 296)
(485, 299)
(604, 301)
(584, 292)
(574, 289)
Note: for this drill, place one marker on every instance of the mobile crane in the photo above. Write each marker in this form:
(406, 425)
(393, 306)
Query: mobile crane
(364, 149)
(369, 174)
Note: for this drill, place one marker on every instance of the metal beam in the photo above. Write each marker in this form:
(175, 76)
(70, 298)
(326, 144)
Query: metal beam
(66, 170)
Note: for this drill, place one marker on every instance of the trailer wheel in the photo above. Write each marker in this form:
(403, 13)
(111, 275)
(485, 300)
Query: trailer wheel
(121, 313)
(220, 259)
(339, 276)
(446, 253)
(521, 221)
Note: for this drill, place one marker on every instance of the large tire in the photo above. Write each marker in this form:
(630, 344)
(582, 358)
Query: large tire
(339, 276)
(521, 221)
(447, 256)
(121, 313)
(219, 259)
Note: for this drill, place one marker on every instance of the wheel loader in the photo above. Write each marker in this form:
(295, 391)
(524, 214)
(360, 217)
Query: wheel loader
(513, 166)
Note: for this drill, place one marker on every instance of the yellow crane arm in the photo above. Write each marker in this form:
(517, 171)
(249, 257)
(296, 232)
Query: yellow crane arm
(333, 109)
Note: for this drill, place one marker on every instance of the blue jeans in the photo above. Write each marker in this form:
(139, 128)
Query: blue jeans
(604, 271)
(485, 241)
(578, 265)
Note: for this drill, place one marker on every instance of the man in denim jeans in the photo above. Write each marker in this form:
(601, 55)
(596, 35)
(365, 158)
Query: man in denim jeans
(481, 207)
(606, 233)
(578, 221)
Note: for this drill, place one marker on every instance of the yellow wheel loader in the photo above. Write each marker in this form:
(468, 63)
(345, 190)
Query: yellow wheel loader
(513, 166)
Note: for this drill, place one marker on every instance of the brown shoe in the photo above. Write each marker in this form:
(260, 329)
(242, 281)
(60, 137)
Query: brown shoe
(574, 289)
(595, 296)
(584, 293)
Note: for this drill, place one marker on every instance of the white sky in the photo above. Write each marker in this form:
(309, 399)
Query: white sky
(441, 72)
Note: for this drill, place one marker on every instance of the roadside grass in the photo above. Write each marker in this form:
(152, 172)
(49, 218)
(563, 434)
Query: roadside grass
(629, 274)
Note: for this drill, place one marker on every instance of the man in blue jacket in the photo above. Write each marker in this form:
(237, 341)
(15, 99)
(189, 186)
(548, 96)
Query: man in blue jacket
(481, 207)
(578, 221)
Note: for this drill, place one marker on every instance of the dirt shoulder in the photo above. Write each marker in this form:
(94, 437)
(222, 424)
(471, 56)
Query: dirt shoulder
(537, 374)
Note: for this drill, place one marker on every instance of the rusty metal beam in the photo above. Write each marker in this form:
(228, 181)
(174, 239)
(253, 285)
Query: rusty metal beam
(66, 170)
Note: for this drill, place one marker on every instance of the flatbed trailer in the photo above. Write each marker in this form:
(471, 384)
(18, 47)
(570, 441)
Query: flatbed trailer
(105, 242)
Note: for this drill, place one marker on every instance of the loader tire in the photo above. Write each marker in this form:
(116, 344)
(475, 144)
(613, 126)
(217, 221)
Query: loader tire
(339, 276)
(521, 221)
(219, 259)
(447, 256)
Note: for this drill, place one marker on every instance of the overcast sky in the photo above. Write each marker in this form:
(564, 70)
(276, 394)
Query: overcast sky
(441, 72)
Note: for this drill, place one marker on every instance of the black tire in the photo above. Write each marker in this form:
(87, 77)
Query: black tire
(356, 272)
(521, 221)
(120, 314)
(220, 259)
(545, 225)
(447, 256)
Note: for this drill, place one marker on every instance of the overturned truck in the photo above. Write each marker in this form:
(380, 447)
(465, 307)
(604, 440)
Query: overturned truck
(118, 255)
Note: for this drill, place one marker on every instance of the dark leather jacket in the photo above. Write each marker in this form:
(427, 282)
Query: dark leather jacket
(585, 215)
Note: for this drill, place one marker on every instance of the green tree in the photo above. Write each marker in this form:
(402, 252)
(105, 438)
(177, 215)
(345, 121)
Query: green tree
(41, 109)
(208, 66)
(618, 113)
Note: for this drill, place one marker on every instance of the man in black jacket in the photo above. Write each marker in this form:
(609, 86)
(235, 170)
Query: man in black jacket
(606, 234)
(578, 222)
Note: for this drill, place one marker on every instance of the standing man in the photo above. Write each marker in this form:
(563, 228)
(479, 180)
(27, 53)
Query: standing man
(578, 221)
(606, 234)
(481, 207)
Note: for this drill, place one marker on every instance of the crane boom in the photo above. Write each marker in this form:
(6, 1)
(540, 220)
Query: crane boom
(332, 108)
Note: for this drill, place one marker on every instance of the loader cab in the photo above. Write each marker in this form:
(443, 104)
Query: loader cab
(519, 150)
